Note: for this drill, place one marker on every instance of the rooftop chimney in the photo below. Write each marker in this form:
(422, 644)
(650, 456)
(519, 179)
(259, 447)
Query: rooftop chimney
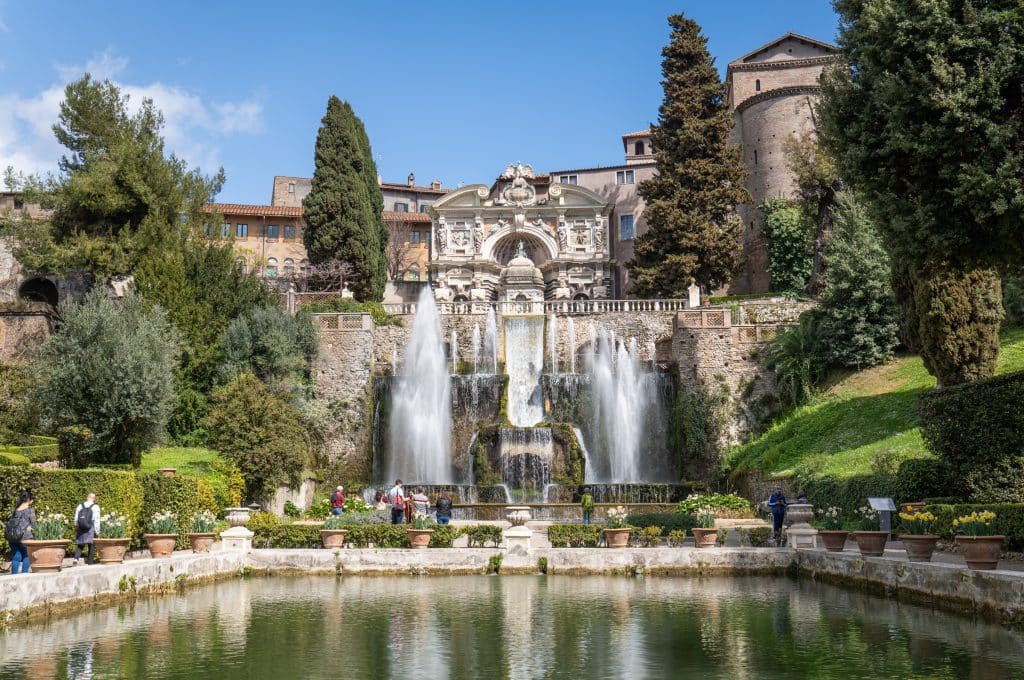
(436, 184)
(412, 180)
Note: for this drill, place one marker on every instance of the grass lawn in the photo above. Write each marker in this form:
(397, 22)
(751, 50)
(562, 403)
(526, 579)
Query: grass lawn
(860, 418)
(192, 462)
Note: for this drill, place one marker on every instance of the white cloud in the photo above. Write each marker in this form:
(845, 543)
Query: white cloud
(194, 126)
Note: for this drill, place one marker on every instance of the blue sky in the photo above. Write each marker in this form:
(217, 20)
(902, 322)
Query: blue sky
(449, 90)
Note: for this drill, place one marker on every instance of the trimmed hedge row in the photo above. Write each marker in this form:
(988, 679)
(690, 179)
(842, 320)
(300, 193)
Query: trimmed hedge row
(1009, 520)
(978, 429)
(916, 479)
(135, 495)
(668, 521)
(270, 532)
(574, 535)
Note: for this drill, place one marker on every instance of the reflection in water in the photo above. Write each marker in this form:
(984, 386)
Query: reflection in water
(513, 627)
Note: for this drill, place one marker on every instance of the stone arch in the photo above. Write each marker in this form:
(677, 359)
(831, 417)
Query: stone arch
(39, 289)
(500, 245)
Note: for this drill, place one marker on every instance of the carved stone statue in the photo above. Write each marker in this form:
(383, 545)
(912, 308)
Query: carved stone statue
(442, 238)
(562, 291)
(563, 237)
(599, 239)
(478, 237)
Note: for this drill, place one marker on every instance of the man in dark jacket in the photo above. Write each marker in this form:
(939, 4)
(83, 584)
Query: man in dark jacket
(87, 528)
(777, 505)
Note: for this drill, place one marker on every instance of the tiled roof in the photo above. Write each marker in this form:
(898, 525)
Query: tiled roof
(405, 187)
(406, 216)
(791, 35)
(253, 210)
(638, 133)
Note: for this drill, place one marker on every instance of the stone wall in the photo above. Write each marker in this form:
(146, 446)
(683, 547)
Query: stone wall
(23, 331)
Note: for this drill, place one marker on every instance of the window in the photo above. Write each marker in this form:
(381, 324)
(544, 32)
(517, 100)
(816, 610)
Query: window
(271, 267)
(225, 230)
(401, 207)
(291, 187)
(757, 85)
(426, 237)
(303, 265)
(272, 231)
(413, 276)
(414, 237)
(568, 179)
(624, 177)
(242, 230)
(289, 265)
(289, 232)
(208, 229)
(424, 207)
(638, 150)
(626, 230)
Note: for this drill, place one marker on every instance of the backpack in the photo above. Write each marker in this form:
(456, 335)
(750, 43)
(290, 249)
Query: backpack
(398, 501)
(16, 528)
(83, 520)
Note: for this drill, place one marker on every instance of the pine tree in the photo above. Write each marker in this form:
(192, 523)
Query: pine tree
(693, 230)
(343, 208)
(924, 119)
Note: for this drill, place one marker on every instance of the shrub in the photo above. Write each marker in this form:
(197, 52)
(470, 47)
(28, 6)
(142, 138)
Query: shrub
(648, 537)
(333, 523)
(1009, 520)
(269, 343)
(261, 432)
(74, 443)
(574, 535)
(796, 356)
(185, 497)
(713, 501)
(482, 534)
(320, 507)
(755, 537)
(291, 510)
(789, 244)
(666, 521)
(365, 518)
(109, 368)
(444, 535)
(978, 429)
(917, 479)
(677, 537)
(11, 458)
(380, 535)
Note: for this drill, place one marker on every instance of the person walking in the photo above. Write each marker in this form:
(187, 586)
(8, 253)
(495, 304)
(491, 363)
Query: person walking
(444, 508)
(87, 528)
(420, 503)
(587, 506)
(338, 501)
(396, 496)
(18, 530)
(777, 506)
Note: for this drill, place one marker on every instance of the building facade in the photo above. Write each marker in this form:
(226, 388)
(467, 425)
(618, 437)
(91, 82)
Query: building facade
(772, 93)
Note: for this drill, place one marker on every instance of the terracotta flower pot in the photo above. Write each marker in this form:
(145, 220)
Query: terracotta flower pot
(705, 538)
(834, 539)
(335, 538)
(111, 550)
(419, 538)
(201, 542)
(45, 557)
(160, 545)
(919, 546)
(871, 543)
(617, 538)
(981, 552)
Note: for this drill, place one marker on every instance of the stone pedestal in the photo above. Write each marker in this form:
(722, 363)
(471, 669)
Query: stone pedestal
(801, 534)
(693, 296)
(237, 538)
(517, 540)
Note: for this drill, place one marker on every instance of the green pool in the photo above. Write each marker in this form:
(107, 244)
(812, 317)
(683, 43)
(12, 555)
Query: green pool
(585, 628)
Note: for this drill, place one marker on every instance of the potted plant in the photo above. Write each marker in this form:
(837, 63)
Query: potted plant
(333, 535)
(48, 544)
(420, 531)
(832, 533)
(705, 535)
(976, 533)
(112, 543)
(162, 534)
(870, 541)
(616, 532)
(918, 539)
(202, 534)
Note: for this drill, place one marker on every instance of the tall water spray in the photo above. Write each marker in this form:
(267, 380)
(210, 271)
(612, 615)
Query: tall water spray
(420, 428)
(524, 362)
(571, 335)
(476, 348)
(454, 350)
(491, 340)
(553, 342)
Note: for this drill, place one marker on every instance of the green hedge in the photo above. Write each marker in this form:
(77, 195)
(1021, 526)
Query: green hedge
(1009, 520)
(270, 532)
(184, 496)
(915, 480)
(667, 521)
(482, 534)
(11, 458)
(978, 429)
(574, 535)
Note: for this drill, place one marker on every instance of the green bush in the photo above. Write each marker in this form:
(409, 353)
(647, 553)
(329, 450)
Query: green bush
(755, 537)
(444, 535)
(380, 535)
(676, 537)
(667, 522)
(8, 457)
(574, 535)
(789, 237)
(647, 537)
(184, 496)
(978, 429)
(713, 501)
(269, 343)
(915, 480)
(482, 534)
(1009, 520)
(74, 445)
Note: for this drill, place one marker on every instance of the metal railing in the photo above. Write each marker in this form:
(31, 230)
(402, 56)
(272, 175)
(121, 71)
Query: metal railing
(560, 307)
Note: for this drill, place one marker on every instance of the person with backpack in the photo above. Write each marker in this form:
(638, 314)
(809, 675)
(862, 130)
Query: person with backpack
(777, 505)
(397, 498)
(19, 529)
(587, 505)
(87, 528)
(338, 501)
(444, 508)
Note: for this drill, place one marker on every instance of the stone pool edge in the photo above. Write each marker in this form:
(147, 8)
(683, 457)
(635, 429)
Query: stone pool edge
(996, 595)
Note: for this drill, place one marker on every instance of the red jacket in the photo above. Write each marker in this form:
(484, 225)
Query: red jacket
(338, 500)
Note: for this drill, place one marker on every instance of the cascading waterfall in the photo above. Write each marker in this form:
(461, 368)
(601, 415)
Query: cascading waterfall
(476, 348)
(491, 340)
(454, 349)
(421, 421)
(526, 455)
(553, 342)
(524, 361)
(571, 334)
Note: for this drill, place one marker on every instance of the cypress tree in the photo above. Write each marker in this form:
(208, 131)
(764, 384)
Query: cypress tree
(343, 208)
(923, 118)
(693, 229)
